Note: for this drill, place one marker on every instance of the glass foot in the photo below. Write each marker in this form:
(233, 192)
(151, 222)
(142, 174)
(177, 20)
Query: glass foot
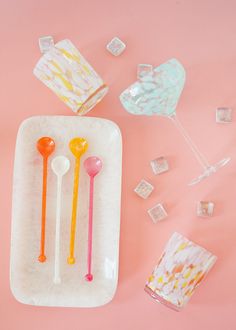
(210, 170)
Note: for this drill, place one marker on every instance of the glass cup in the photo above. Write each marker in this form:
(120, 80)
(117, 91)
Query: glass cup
(157, 92)
(65, 71)
(181, 268)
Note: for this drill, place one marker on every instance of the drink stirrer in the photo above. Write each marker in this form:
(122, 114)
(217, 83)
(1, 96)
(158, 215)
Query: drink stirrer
(45, 146)
(93, 166)
(78, 146)
(60, 166)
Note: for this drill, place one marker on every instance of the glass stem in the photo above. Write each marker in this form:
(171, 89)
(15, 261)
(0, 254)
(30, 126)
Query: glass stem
(199, 156)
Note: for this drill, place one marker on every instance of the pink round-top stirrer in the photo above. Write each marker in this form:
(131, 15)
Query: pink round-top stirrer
(93, 166)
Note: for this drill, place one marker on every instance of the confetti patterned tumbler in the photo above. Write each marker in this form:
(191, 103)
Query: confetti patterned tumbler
(182, 267)
(65, 71)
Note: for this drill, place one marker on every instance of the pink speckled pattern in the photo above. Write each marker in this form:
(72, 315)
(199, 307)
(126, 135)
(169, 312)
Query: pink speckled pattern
(181, 268)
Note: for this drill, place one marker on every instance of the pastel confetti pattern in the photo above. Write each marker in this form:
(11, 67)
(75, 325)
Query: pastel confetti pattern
(156, 93)
(180, 270)
(65, 71)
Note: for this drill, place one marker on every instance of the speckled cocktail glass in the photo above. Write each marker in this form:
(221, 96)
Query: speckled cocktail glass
(156, 93)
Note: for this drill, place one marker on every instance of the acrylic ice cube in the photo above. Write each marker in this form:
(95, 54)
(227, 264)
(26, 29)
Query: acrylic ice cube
(144, 71)
(223, 115)
(205, 209)
(116, 46)
(144, 189)
(45, 43)
(157, 213)
(159, 165)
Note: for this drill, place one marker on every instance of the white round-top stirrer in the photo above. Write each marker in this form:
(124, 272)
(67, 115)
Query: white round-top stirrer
(60, 166)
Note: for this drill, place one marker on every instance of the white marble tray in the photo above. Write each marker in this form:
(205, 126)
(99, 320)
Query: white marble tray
(31, 281)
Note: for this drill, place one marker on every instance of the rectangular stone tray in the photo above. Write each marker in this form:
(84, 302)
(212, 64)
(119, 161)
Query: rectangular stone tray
(32, 281)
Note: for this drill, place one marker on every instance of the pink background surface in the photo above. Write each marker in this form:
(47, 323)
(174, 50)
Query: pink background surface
(201, 34)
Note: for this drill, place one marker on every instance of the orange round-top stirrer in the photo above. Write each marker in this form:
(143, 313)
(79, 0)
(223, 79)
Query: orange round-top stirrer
(78, 146)
(45, 146)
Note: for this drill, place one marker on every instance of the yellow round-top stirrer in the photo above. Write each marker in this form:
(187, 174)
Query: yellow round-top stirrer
(78, 146)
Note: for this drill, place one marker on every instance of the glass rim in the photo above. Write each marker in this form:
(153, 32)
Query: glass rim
(158, 298)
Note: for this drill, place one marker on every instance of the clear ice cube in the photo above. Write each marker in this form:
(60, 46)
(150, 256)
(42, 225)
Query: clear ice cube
(144, 71)
(157, 213)
(205, 209)
(116, 46)
(223, 115)
(159, 165)
(144, 189)
(45, 43)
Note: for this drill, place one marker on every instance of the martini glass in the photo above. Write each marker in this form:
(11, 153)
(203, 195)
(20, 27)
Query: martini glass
(157, 92)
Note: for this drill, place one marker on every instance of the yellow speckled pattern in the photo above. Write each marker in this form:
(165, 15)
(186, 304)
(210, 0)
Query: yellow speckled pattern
(65, 71)
(180, 270)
